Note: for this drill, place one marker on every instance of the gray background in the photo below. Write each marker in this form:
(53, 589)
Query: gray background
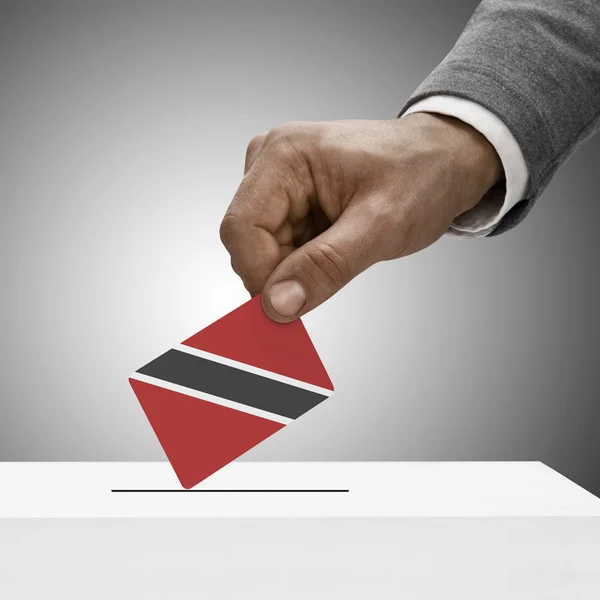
(123, 129)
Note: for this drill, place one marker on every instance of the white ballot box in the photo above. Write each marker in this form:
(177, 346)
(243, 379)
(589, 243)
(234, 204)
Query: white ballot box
(490, 530)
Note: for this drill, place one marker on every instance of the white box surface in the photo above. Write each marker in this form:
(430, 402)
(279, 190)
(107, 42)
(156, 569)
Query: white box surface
(245, 489)
(414, 530)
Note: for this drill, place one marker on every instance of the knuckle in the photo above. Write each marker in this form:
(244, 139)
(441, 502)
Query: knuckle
(285, 131)
(229, 229)
(255, 145)
(276, 135)
(286, 140)
(289, 150)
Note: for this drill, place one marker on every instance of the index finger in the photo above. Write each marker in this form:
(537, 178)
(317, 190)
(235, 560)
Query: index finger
(255, 230)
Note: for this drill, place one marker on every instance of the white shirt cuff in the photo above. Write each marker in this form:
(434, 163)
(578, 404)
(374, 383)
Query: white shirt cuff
(483, 218)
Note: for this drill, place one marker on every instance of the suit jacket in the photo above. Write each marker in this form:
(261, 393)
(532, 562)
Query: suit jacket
(536, 65)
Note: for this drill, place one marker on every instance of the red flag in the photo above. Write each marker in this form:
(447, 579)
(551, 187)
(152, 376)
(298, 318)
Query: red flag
(227, 388)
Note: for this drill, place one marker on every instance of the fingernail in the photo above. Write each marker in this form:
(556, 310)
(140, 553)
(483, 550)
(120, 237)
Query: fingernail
(287, 297)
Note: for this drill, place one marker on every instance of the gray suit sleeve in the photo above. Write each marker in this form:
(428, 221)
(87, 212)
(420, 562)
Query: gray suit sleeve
(536, 65)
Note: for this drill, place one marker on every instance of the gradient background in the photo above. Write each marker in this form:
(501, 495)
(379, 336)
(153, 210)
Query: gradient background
(123, 129)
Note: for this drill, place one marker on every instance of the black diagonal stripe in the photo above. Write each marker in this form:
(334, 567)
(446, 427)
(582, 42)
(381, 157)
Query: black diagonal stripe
(227, 382)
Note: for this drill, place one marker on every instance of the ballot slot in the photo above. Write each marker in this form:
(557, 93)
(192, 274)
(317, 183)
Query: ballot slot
(291, 490)
(249, 491)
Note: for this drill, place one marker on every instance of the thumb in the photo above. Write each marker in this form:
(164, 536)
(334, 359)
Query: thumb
(317, 270)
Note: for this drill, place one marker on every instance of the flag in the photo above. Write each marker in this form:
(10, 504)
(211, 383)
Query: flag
(227, 388)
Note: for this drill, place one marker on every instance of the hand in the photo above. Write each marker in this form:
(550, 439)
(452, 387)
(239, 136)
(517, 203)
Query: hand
(321, 202)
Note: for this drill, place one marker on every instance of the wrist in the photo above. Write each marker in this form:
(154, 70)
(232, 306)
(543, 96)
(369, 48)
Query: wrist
(469, 157)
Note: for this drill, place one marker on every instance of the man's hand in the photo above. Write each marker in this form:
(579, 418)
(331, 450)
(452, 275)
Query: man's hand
(321, 202)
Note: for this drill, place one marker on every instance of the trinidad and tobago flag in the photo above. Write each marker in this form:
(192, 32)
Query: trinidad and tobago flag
(229, 387)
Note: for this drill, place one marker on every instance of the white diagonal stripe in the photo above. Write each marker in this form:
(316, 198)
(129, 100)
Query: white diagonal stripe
(210, 398)
(256, 370)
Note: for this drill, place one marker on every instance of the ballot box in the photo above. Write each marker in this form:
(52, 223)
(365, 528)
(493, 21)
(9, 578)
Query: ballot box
(297, 530)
